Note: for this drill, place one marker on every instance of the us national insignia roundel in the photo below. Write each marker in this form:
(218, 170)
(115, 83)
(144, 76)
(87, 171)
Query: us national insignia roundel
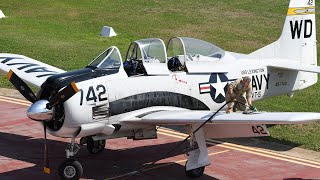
(217, 87)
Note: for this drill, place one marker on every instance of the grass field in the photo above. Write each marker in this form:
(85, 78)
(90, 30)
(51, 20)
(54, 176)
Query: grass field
(66, 34)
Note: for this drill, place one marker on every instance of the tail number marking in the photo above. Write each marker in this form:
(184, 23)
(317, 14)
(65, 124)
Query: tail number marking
(296, 28)
(91, 94)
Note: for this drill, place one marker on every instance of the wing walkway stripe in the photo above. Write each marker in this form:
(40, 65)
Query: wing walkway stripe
(251, 152)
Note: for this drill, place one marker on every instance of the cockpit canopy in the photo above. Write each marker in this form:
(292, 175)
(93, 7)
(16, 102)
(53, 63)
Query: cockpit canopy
(183, 50)
(192, 47)
(149, 56)
(148, 50)
(109, 59)
(146, 56)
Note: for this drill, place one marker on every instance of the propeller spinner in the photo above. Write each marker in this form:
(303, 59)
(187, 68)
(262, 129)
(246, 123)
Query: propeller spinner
(43, 110)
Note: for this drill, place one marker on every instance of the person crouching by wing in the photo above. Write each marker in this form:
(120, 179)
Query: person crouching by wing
(241, 92)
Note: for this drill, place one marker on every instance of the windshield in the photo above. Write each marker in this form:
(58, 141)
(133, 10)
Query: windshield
(109, 59)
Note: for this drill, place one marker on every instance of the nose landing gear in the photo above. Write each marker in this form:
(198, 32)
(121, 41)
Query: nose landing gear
(71, 169)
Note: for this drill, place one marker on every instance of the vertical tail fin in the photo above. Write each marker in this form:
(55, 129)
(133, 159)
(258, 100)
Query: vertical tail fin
(297, 41)
(298, 38)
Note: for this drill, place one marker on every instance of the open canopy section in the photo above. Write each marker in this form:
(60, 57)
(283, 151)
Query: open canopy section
(184, 50)
(148, 50)
(109, 59)
(146, 56)
(191, 47)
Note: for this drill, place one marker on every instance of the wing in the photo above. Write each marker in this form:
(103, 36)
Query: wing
(28, 69)
(224, 125)
(178, 117)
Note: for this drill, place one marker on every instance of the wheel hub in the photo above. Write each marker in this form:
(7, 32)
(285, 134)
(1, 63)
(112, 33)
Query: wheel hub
(69, 171)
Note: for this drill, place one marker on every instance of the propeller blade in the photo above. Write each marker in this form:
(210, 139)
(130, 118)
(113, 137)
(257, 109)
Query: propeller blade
(46, 167)
(21, 86)
(63, 95)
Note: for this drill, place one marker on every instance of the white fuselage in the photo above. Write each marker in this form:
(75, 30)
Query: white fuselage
(109, 99)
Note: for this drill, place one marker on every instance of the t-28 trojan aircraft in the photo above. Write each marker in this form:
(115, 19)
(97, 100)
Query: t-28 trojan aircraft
(183, 84)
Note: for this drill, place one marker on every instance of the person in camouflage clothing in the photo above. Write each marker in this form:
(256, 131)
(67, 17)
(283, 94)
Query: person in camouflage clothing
(241, 91)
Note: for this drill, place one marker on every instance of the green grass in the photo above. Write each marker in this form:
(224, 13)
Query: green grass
(65, 34)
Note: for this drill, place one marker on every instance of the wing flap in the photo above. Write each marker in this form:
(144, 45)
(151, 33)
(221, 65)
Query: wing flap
(191, 117)
(30, 70)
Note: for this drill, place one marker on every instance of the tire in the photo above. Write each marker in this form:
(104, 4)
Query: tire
(95, 147)
(70, 169)
(194, 173)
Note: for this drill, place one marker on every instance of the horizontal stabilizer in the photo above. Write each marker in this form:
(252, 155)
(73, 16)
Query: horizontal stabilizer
(291, 65)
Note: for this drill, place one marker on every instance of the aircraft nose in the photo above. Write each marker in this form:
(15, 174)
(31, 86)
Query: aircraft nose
(38, 111)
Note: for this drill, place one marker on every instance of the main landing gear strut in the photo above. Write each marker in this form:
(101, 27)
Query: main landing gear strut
(94, 147)
(198, 157)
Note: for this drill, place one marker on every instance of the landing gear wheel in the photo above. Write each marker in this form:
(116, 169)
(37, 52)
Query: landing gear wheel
(194, 173)
(96, 147)
(70, 169)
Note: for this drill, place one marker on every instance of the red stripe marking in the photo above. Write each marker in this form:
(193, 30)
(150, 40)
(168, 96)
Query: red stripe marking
(205, 88)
